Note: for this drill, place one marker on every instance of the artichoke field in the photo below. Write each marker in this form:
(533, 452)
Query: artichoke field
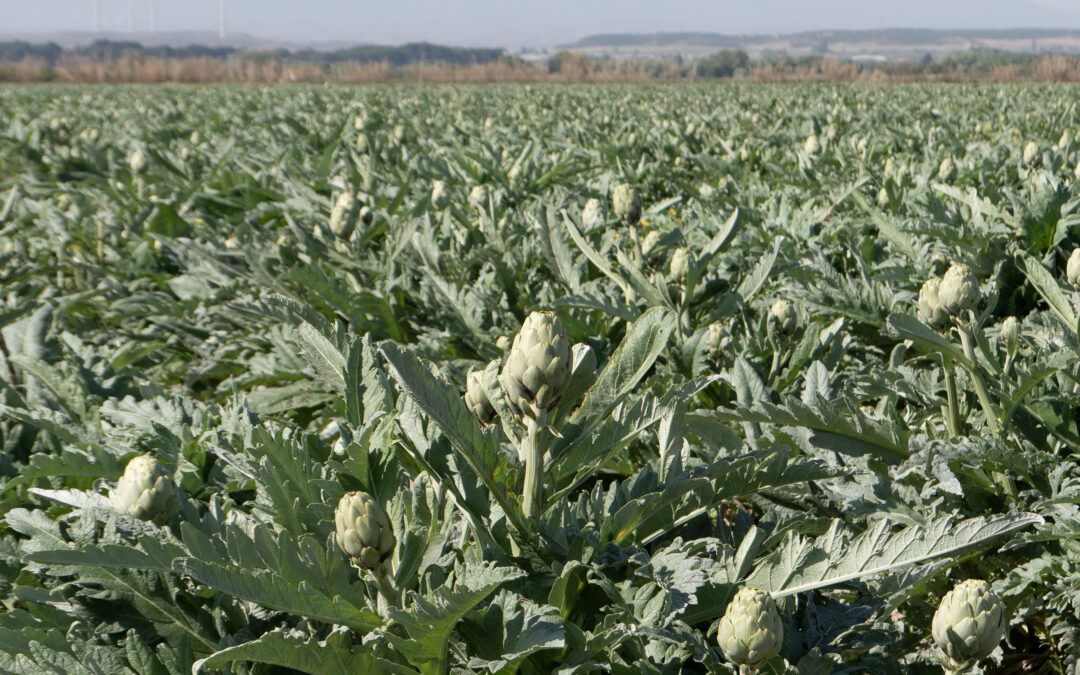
(540, 379)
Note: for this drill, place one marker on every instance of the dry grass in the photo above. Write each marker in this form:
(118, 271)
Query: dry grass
(574, 68)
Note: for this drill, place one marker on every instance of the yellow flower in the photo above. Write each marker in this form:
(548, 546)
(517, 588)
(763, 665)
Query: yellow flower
(644, 223)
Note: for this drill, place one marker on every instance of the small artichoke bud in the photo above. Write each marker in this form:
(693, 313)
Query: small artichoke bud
(947, 170)
(714, 337)
(1066, 139)
(1072, 269)
(930, 310)
(146, 491)
(343, 215)
(783, 313)
(362, 145)
(626, 203)
(138, 162)
(1031, 153)
(1010, 334)
(883, 197)
(593, 213)
(440, 197)
(649, 242)
(959, 290)
(398, 133)
(476, 397)
(478, 197)
(968, 624)
(812, 146)
(538, 366)
(682, 260)
(751, 631)
(363, 530)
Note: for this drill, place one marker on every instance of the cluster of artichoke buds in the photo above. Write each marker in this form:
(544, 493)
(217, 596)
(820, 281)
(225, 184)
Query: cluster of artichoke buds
(751, 631)
(784, 316)
(146, 491)
(1072, 268)
(363, 530)
(626, 203)
(538, 366)
(968, 624)
(476, 397)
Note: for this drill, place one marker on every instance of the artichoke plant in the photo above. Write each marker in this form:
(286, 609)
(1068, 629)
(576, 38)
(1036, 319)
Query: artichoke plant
(146, 491)
(959, 290)
(363, 529)
(930, 309)
(626, 203)
(1072, 269)
(476, 397)
(968, 624)
(751, 632)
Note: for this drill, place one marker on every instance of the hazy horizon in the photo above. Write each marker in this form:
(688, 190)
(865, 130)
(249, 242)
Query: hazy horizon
(498, 23)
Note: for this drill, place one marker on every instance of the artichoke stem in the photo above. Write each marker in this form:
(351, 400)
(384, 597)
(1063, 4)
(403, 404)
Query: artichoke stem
(952, 420)
(534, 467)
(977, 381)
(387, 594)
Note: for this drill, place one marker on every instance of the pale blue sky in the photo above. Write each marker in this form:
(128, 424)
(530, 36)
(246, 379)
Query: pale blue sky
(514, 23)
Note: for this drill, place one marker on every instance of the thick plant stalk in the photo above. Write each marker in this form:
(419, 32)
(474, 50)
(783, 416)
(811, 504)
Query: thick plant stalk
(952, 416)
(978, 384)
(387, 593)
(533, 452)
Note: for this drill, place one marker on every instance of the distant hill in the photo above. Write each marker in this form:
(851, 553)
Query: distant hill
(889, 42)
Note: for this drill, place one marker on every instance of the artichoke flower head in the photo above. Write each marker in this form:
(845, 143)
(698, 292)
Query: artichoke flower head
(751, 631)
(363, 530)
(959, 290)
(968, 624)
(146, 491)
(1072, 269)
(538, 366)
(930, 310)
(626, 203)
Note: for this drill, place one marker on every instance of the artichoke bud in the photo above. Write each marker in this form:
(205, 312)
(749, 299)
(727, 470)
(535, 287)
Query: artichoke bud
(812, 146)
(649, 242)
(343, 215)
(930, 310)
(682, 261)
(538, 366)
(959, 290)
(1031, 153)
(714, 337)
(626, 203)
(146, 491)
(947, 170)
(138, 162)
(1010, 334)
(751, 631)
(363, 530)
(440, 197)
(478, 197)
(968, 624)
(883, 197)
(784, 316)
(593, 213)
(1072, 269)
(476, 397)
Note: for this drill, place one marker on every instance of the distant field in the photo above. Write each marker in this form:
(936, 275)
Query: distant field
(540, 379)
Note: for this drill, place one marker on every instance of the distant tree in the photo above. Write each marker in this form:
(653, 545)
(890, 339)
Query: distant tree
(723, 63)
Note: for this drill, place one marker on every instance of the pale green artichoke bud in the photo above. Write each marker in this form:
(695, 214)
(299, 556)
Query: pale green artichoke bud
(969, 624)
(138, 162)
(593, 213)
(883, 197)
(146, 491)
(398, 133)
(862, 146)
(476, 397)
(751, 631)
(343, 215)
(478, 197)
(1072, 269)
(930, 310)
(649, 242)
(783, 313)
(1031, 152)
(626, 203)
(1010, 334)
(538, 366)
(440, 197)
(959, 290)
(947, 170)
(1066, 139)
(682, 260)
(714, 337)
(812, 146)
(363, 530)
(362, 144)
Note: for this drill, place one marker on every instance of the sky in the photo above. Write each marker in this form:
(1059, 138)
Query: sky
(529, 23)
